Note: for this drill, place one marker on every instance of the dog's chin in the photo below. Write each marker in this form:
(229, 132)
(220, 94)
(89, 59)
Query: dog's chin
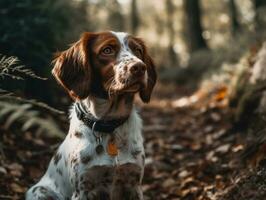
(132, 88)
(119, 88)
(123, 89)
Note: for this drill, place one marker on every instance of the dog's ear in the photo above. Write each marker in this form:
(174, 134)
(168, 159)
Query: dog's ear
(72, 67)
(145, 92)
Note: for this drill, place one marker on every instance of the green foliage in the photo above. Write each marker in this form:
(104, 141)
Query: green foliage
(28, 115)
(10, 67)
(23, 114)
(33, 29)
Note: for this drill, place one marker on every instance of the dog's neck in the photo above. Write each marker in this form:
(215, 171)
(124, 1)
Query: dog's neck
(117, 107)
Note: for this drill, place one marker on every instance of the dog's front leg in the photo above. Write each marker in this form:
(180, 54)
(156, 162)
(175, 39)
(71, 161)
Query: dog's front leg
(94, 183)
(127, 183)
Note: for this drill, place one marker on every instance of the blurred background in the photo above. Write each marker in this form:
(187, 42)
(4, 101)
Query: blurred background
(186, 38)
(208, 107)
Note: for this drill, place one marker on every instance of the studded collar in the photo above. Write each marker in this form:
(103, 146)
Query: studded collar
(100, 125)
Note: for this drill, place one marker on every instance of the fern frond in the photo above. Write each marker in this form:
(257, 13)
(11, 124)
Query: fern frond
(10, 67)
(5, 92)
(27, 118)
(16, 112)
(9, 97)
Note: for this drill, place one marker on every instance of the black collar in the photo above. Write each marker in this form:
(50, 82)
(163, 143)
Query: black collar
(105, 126)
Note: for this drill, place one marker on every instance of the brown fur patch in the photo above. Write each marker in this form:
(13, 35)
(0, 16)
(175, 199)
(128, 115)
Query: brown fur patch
(72, 67)
(78, 134)
(126, 183)
(73, 160)
(59, 171)
(135, 153)
(57, 157)
(85, 159)
(128, 173)
(145, 92)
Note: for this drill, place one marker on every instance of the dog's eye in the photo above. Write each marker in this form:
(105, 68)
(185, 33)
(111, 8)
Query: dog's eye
(108, 50)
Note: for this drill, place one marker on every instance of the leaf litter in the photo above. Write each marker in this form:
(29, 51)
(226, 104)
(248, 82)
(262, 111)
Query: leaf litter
(190, 151)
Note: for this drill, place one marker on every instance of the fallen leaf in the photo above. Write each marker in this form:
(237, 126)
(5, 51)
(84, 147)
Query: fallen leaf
(17, 188)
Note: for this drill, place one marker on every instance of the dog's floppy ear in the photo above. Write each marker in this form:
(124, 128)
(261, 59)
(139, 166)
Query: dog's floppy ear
(145, 92)
(72, 67)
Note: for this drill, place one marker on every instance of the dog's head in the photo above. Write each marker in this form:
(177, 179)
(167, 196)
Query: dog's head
(110, 63)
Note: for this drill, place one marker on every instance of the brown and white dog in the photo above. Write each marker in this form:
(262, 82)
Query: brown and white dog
(102, 157)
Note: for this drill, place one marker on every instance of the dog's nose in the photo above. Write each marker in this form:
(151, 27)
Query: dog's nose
(138, 69)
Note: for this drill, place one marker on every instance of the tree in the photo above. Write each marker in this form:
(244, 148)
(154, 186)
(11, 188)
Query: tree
(193, 25)
(260, 7)
(116, 19)
(170, 9)
(135, 21)
(235, 26)
(33, 30)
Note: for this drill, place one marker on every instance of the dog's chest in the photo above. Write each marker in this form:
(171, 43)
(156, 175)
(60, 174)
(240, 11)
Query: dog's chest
(90, 149)
(109, 150)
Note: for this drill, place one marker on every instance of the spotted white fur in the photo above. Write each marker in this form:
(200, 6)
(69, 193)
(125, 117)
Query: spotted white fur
(126, 56)
(76, 155)
(78, 147)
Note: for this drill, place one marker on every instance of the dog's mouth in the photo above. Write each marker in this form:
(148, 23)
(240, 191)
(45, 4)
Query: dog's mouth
(133, 84)
(126, 87)
(132, 87)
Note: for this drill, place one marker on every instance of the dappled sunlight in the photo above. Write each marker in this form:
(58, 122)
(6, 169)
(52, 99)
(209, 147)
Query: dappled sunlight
(204, 126)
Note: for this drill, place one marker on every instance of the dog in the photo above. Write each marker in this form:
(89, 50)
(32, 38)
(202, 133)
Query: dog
(102, 156)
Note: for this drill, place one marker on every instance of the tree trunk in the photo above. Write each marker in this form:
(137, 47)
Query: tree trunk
(259, 3)
(193, 25)
(260, 7)
(134, 17)
(170, 9)
(116, 19)
(235, 26)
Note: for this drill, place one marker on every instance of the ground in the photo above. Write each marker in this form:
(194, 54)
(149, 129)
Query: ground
(191, 150)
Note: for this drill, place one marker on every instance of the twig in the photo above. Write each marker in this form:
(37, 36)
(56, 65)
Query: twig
(2, 196)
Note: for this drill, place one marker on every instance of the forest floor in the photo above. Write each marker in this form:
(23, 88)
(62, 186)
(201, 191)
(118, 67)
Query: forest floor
(191, 152)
